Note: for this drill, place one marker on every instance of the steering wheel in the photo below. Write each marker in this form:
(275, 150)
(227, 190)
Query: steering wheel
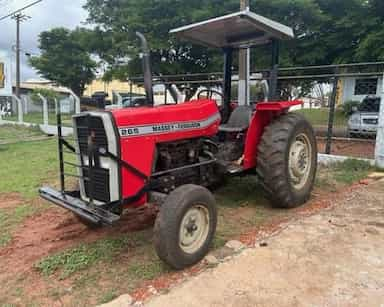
(209, 94)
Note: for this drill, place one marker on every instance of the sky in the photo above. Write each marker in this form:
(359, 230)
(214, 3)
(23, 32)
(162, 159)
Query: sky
(44, 16)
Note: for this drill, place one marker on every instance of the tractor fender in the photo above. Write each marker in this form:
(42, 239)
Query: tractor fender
(265, 113)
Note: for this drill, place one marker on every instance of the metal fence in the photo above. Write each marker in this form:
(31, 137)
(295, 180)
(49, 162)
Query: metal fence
(341, 101)
(37, 110)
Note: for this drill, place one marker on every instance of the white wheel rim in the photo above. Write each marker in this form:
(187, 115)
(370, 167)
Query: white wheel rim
(194, 229)
(300, 161)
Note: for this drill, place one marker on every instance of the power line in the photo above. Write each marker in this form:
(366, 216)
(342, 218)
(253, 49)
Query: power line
(21, 9)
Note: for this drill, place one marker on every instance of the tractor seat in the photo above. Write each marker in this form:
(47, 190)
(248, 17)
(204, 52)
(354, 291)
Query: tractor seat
(239, 120)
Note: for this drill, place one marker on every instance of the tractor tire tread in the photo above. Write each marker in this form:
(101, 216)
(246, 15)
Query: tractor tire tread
(166, 230)
(272, 164)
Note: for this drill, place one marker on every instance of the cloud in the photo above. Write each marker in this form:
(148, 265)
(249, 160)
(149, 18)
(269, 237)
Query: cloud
(44, 16)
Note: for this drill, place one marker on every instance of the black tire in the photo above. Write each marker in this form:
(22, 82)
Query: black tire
(273, 160)
(169, 221)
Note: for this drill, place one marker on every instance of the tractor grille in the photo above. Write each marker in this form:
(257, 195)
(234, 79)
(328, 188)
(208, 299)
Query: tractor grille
(99, 184)
(86, 125)
(100, 181)
(371, 121)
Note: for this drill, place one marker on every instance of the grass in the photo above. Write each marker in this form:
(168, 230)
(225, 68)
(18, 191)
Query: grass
(319, 117)
(37, 118)
(115, 265)
(108, 296)
(14, 133)
(146, 271)
(118, 264)
(240, 191)
(84, 256)
(342, 174)
(351, 171)
(24, 167)
(81, 257)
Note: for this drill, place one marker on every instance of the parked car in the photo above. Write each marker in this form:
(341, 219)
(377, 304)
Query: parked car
(365, 118)
(129, 102)
(132, 102)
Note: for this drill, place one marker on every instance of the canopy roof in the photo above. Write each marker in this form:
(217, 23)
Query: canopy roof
(239, 30)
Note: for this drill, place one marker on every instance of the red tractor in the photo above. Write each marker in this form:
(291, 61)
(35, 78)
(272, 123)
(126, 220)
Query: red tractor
(168, 156)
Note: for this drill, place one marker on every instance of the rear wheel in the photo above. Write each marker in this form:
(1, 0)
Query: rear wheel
(185, 226)
(287, 160)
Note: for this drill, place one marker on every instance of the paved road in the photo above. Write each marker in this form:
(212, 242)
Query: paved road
(335, 258)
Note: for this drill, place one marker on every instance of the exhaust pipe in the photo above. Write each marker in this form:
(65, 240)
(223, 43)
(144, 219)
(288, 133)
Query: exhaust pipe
(147, 70)
(175, 93)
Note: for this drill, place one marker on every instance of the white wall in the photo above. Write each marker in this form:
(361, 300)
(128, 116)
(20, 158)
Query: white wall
(349, 88)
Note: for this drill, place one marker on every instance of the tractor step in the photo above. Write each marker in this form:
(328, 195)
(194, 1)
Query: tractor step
(93, 214)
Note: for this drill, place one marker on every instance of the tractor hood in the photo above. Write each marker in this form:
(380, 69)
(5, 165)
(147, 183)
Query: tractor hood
(202, 116)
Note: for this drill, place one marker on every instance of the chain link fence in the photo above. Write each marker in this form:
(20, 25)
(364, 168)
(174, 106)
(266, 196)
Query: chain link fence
(346, 113)
(342, 102)
(37, 109)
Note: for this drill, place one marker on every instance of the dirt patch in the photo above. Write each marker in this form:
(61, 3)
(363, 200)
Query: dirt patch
(56, 229)
(352, 148)
(10, 200)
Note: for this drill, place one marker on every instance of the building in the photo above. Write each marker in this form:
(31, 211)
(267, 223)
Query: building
(27, 87)
(112, 86)
(357, 88)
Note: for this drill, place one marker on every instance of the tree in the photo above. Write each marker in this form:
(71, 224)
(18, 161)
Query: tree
(327, 32)
(371, 44)
(65, 58)
(118, 20)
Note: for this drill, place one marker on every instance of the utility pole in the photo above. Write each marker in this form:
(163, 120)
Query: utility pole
(244, 67)
(19, 17)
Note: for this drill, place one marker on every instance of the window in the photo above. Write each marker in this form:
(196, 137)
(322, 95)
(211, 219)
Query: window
(370, 104)
(366, 86)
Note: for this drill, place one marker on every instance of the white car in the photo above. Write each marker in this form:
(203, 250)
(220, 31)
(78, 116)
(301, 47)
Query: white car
(364, 121)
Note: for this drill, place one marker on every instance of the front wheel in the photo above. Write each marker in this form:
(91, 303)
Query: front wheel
(287, 160)
(185, 226)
